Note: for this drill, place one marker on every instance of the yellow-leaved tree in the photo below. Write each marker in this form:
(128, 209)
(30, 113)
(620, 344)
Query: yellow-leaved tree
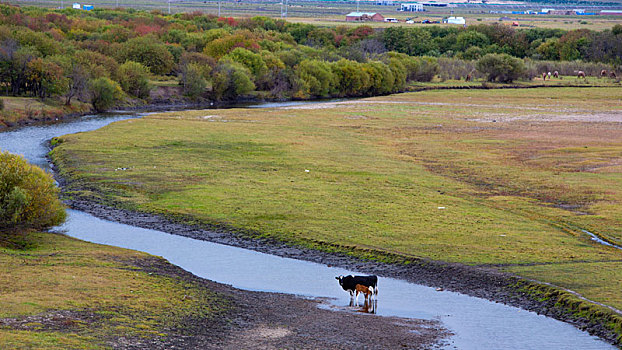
(28, 196)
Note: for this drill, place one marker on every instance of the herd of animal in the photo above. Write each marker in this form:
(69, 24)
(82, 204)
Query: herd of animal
(580, 74)
(555, 74)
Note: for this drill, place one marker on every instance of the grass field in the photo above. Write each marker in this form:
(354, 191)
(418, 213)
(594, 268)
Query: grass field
(61, 293)
(506, 178)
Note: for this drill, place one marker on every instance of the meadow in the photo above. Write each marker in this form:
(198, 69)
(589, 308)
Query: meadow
(62, 293)
(507, 179)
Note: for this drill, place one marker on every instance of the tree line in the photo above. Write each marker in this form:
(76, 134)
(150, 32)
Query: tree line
(106, 55)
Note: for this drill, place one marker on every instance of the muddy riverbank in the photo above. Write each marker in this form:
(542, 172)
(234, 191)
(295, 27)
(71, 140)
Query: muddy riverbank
(260, 320)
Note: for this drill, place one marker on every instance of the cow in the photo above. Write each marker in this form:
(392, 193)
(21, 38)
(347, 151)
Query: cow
(359, 288)
(556, 74)
(613, 75)
(549, 75)
(603, 73)
(543, 76)
(467, 78)
(580, 74)
(348, 283)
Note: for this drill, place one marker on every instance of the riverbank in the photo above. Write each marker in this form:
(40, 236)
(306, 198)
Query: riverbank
(62, 293)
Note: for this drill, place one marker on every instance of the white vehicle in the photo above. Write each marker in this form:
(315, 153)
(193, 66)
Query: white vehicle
(389, 19)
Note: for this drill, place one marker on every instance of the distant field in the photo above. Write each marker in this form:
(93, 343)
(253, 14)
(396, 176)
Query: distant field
(331, 13)
(505, 178)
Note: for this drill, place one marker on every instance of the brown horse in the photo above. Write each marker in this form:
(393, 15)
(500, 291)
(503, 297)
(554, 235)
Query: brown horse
(468, 77)
(580, 74)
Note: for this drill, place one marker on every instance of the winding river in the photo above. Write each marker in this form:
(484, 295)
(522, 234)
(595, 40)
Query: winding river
(476, 323)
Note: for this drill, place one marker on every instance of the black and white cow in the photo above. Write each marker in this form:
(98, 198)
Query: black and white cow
(348, 283)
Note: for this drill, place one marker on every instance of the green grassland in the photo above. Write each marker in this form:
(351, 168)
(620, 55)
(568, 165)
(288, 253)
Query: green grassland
(61, 293)
(505, 178)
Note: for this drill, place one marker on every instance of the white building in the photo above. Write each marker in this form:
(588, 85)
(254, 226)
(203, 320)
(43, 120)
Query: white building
(412, 7)
(76, 6)
(455, 20)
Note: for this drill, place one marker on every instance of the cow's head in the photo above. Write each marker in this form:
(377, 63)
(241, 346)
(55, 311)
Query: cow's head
(340, 279)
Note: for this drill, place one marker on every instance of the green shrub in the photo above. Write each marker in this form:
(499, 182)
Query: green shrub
(231, 80)
(28, 196)
(501, 67)
(192, 78)
(134, 79)
(104, 93)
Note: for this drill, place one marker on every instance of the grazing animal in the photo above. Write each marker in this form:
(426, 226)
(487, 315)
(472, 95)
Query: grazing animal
(556, 74)
(580, 74)
(362, 289)
(468, 77)
(549, 75)
(613, 75)
(544, 76)
(348, 283)
(603, 73)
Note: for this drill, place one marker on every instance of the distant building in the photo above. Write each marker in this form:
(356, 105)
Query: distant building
(87, 7)
(412, 7)
(435, 4)
(76, 6)
(364, 16)
(611, 12)
(561, 12)
(454, 20)
(384, 2)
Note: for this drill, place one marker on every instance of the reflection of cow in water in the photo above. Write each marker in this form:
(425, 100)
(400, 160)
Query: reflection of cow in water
(580, 74)
(369, 306)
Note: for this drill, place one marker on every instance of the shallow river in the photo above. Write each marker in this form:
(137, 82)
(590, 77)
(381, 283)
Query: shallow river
(477, 323)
